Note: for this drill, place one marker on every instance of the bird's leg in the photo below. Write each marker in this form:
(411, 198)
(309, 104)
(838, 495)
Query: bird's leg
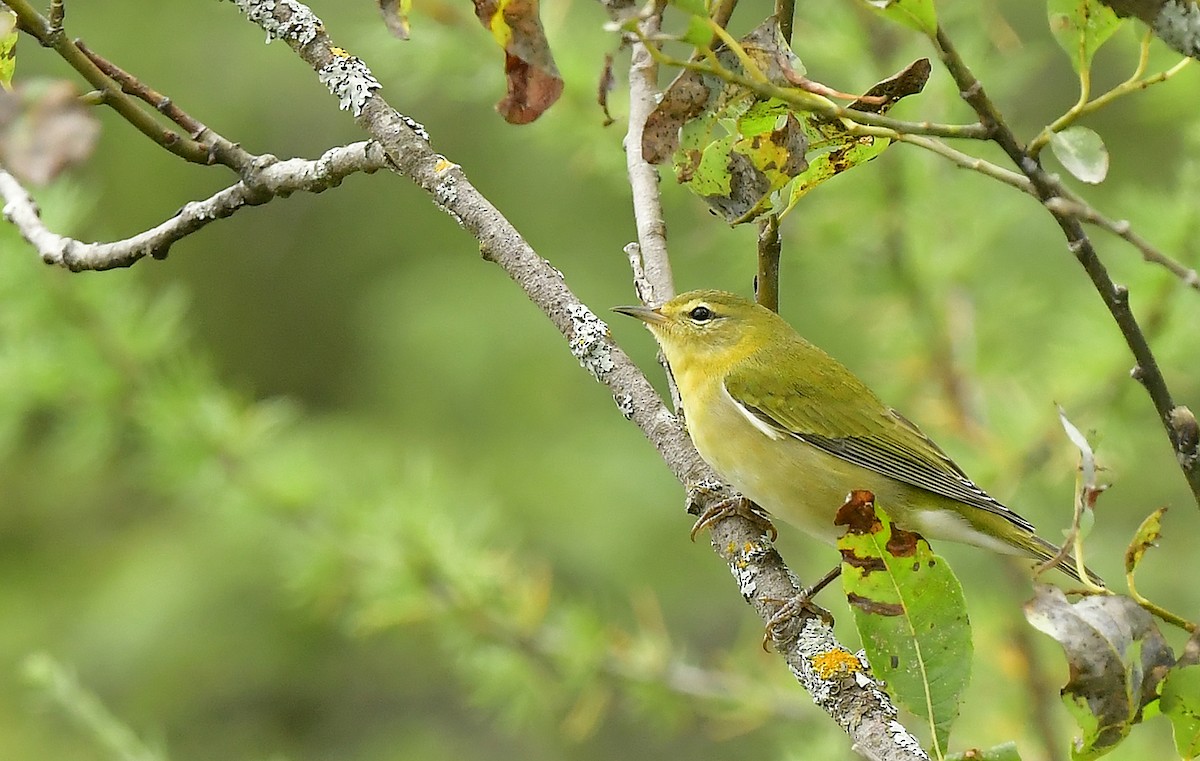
(737, 505)
(799, 605)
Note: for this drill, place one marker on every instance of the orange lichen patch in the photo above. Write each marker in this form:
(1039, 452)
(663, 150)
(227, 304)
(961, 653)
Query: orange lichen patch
(838, 662)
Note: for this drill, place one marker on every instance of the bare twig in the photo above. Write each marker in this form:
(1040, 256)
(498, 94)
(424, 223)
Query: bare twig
(838, 681)
(766, 282)
(1116, 298)
(202, 146)
(1122, 229)
(643, 177)
(268, 179)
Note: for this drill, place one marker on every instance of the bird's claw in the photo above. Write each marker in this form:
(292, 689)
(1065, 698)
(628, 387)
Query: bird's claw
(734, 506)
(799, 606)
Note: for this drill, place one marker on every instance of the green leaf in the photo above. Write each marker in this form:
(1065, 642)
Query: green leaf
(1081, 151)
(1080, 27)
(773, 141)
(1180, 702)
(915, 14)
(1004, 752)
(8, 47)
(697, 8)
(1117, 658)
(1145, 538)
(830, 164)
(909, 610)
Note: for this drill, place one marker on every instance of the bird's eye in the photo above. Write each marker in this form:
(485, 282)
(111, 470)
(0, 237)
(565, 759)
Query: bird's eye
(701, 314)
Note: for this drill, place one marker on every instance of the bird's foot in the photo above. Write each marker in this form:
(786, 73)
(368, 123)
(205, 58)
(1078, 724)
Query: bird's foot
(735, 506)
(800, 606)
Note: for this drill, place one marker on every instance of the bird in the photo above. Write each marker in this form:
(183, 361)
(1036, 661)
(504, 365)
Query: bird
(795, 431)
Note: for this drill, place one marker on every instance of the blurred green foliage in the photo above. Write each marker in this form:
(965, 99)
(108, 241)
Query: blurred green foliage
(323, 485)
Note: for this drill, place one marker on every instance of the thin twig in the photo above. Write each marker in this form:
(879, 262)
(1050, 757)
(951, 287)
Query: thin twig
(1122, 229)
(643, 176)
(766, 282)
(271, 178)
(1116, 298)
(49, 32)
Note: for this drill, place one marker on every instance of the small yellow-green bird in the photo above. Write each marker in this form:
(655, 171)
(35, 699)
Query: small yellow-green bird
(794, 431)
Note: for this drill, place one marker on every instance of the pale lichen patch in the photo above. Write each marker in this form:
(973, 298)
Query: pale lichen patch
(589, 341)
(300, 27)
(1178, 25)
(625, 405)
(349, 79)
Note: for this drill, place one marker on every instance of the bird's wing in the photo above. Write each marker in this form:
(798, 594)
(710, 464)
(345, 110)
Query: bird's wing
(827, 413)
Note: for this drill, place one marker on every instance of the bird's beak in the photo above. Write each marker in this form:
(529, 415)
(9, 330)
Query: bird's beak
(645, 314)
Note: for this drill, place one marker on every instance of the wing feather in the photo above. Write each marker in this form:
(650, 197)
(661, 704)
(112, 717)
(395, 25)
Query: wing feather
(827, 413)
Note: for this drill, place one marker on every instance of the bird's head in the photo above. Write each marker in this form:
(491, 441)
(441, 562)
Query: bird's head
(711, 328)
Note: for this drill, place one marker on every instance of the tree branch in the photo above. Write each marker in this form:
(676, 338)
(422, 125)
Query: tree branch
(1116, 298)
(656, 284)
(838, 681)
(200, 146)
(267, 179)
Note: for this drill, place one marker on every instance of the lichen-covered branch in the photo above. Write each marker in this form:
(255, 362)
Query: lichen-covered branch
(1116, 298)
(836, 678)
(268, 178)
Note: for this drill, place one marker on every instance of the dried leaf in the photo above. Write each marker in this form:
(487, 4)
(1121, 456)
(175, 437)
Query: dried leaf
(395, 15)
(534, 83)
(1117, 658)
(910, 613)
(605, 87)
(737, 150)
(44, 130)
(1146, 537)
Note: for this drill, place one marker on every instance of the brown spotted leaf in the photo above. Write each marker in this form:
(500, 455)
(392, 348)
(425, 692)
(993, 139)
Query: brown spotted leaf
(909, 610)
(395, 15)
(1117, 657)
(738, 151)
(534, 83)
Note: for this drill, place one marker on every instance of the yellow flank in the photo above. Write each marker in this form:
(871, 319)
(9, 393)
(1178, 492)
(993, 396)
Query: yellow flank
(795, 431)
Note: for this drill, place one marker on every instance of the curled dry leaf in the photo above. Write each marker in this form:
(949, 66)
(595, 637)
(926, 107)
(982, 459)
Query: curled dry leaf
(45, 130)
(1117, 658)
(737, 150)
(534, 83)
(395, 15)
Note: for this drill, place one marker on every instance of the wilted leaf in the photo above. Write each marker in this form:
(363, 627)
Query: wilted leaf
(1081, 27)
(909, 610)
(533, 80)
(737, 150)
(604, 87)
(915, 14)
(1082, 153)
(1117, 658)
(395, 15)
(8, 47)
(1180, 702)
(1005, 752)
(1145, 538)
(44, 130)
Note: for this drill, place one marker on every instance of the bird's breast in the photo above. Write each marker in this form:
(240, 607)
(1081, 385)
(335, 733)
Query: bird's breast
(791, 479)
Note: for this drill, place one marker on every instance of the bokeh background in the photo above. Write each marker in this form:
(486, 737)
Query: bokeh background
(324, 485)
